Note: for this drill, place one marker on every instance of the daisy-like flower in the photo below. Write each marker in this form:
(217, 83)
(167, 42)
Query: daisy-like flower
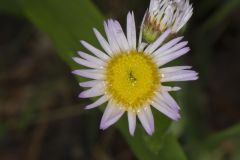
(129, 77)
(164, 14)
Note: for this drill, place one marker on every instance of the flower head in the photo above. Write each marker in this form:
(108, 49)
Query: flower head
(164, 14)
(130, 78)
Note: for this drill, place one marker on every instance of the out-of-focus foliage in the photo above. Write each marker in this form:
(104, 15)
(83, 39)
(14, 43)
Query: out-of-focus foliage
(10, 6)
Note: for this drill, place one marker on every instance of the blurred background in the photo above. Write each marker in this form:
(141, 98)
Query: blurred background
(41, 117)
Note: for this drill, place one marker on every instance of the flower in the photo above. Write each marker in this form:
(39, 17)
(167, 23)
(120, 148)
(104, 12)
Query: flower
(128, 76)
(164, 14)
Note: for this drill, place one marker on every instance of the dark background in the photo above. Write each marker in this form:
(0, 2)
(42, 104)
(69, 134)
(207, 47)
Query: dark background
(41, 117)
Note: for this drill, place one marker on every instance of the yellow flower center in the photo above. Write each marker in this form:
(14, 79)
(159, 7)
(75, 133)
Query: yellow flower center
(132, 79)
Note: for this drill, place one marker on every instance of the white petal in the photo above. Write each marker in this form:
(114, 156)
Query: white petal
(152, 47)
(95, 51)
(174, 48)
(169, 100)
(159, 11)
(150, 117)
(88, 84)
(111, 39)
(131, 31)
(98, 102)
(167, 46)
(90, 73)
(182, 75)
(111, 115)
(173, 69)
(167, 58)
(119, 35)
(132, 122)
(173, 114)
(169, 89)
(105, 45)
(154, 5)
(91, 58)
(182, 19)
(95, 91)
(146, 120)
(86, 63)
(142, 46)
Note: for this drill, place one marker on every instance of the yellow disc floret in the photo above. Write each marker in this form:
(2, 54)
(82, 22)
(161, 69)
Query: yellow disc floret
(132, 79)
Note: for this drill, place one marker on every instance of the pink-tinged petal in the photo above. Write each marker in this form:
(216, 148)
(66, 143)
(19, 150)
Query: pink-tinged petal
(131, 31)
(95, 51)
(169, 89)
(98, 102)
(182, 19)
(89, 84)
(111, 115)
(173, 69)
(167, 46)
(119, 35)
(105, 45)
(150, 117)
(155, 5)
(86, 63)
(95, 91)
(146, 121)
(169, 99)
(167, 58)
(152, 47)
(111, 39)
(132, 122)
(93, 74)
(164, 97)
(110, 24)
(173, 114)
(142, 46)
(91, 58)
(173, 49)
(182, 75)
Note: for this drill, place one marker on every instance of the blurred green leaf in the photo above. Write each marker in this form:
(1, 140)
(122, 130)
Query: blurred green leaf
(142, 144)
(3, 129)
(136, 142)
(204, 7)
(215, 139)
(162, 124)
(66, 22)
(10, 6)
(171, 149)
(236, 154)
(219, 15)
